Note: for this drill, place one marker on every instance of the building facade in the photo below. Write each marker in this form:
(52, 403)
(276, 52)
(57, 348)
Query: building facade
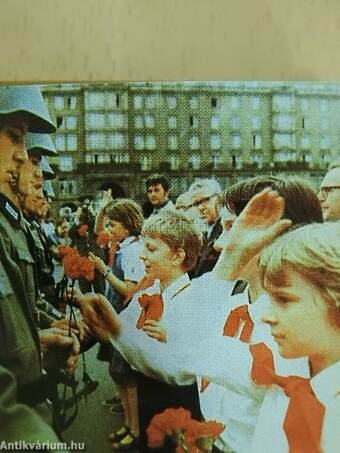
(120, 133)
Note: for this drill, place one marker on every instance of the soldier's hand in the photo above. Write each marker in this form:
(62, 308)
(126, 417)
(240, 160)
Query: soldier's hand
(54, 340)
(99, 316)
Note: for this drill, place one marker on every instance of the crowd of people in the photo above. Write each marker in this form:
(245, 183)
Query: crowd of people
(225, 303)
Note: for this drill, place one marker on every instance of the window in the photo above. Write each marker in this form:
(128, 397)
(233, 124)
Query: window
(256, 122)
(95, 120)
(149, 121)
(94, 100)
(172, 122)
(139, 142)
(213, 102)
(116, 141)
(65, 163)
(236, 161)
(258, 159)
(117, 100)
(255, 102)
(284, 140)
(195, 160)
(282, 156)
(325, 142)
(174, 162)
(110, 100)
(215, 122)
(193, 121)
(235, 121)
(193, 102)
(120, 158)
(236, 141)
(283, 101)
(216, 160)
(137, 102)
(150, 142)
(305, 105)
(95, 140)
(70, 122)
(306, 158)
(215, 141)
(171, 102)
(172, 142)
(71, 140)
(145, 162)
(257, 141)
(59, 102)
(324, 105)
(151, 101)
(115, 120)
(72, 102)
(60, 142)
(324, 124)
(138, 122)
(194, 142)
(283, 122)
(234, 102)
(103, 158)
(305, 141)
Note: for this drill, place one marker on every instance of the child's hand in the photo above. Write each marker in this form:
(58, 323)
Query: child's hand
(257, 225)
(97, 262)
(155, 330)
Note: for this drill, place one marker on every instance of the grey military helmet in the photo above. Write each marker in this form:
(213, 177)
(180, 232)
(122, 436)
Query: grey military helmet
(46, 169)
(43, 142)
(48, 189)
(29, 101)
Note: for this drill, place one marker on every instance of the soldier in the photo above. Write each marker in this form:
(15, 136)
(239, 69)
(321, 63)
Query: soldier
(40, 145)
(22, 109)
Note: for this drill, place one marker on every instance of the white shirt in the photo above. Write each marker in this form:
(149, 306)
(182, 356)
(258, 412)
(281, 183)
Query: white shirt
(132, 265)
(192, 312)
(269, 434)
(237, 409)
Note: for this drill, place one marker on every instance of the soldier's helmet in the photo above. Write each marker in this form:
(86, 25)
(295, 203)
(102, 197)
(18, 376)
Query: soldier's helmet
(47, 171)
(43, 142)
(27, 100)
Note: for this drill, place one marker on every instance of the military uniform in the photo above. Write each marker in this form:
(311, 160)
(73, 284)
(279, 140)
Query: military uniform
(20, 346)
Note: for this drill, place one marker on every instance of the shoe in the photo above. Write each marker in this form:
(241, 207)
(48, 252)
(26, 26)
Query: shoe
(119, 434)
(129, 442)
(117, 409)
(111, 401)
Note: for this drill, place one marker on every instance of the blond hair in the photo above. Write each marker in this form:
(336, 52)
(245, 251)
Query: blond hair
(178, 232)
(314, 252)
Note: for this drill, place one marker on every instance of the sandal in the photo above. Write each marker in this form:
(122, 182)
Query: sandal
(129, 442)
(119, 434)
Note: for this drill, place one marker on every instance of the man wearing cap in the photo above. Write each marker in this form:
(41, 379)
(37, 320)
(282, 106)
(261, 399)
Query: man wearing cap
(22, 109)
(206, 195)
(329, 194)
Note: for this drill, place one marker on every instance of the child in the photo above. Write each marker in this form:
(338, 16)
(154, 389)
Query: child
(125, 220)
(301, 272)
(172, 244)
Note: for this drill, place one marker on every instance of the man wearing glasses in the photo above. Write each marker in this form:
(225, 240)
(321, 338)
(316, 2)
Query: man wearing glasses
(329, 194)
(206, 196)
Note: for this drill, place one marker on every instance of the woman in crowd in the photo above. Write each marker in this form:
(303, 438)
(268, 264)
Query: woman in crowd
(125, 219)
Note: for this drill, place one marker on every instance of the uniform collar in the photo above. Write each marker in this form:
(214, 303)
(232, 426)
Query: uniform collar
(326, 384)
(10, 211)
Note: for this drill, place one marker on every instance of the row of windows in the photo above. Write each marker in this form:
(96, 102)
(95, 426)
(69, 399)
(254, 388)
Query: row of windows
(66, 163)
(119, 141)
(110, 100)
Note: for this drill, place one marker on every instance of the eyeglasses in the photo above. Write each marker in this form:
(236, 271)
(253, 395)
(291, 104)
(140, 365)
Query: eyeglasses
(203, 201)
(325, 191)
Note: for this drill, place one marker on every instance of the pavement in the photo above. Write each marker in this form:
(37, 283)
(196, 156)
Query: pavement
(94, 421)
